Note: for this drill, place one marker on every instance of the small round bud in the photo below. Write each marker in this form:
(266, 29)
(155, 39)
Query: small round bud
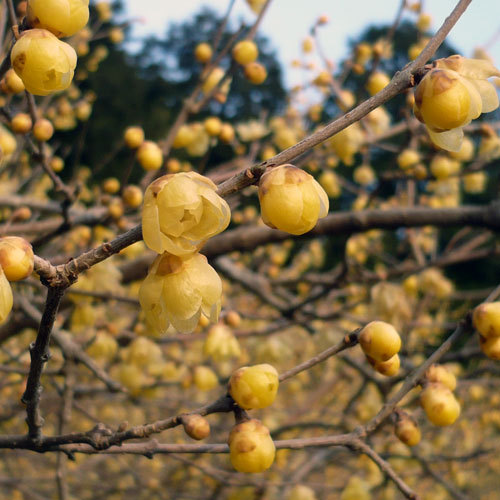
(440, 405)
(133, 137)
(226, 133)
(21, 123)
(256, 73)
(132, 196)
(213, 126)
(486, 319)
(111, 185)
(150, 156)
(254, 386)
(203, 52)
(43, 130)
(380, 340)
(56, 163)
(245, 52)
(408, 158)
(407, 430)
(251, 447)
(196, 426)
(16, 258)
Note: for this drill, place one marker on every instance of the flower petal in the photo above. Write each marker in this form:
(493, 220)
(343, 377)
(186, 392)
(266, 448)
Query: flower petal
(451, 140)
(488, 94)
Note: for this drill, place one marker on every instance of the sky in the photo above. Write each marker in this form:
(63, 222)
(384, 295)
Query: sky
(287, 22)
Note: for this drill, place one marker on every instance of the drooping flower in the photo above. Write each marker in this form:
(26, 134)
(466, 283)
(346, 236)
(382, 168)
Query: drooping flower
(451, 95)
(181, 211)
(177, 290)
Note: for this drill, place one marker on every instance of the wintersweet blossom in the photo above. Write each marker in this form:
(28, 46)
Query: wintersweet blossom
(451, 95)
(291, 199)
(177, 290)
(181, 211)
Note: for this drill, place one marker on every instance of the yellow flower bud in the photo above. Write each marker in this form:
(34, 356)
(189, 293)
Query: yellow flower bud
(254, 386)
(440, 405)
(133, 137)
(255, 73)
(407, 430)
(181, 211)
(245, 52)
(221, 344)
(43, 62)
(379, 340)
(177, 290)
(407, 158)
(6, 299)
(196, 426)
(132, 196)
(486, 319)
(251, 447)
(21, 123)
(291, 200)
(203, 52)
(61, 17)
(150, 155)
(43, 130)
(16, 258)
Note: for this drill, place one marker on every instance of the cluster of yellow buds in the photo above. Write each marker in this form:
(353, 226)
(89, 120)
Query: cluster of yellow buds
(250, 444)
(181, 211)
(44, 63)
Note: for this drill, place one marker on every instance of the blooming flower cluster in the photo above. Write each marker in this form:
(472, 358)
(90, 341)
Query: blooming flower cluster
(181, 211)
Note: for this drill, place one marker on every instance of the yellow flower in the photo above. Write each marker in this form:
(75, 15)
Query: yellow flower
(452, 94)
(181, 211)
(291, 200)
(177, 290)
(43, 62)
(61, 17)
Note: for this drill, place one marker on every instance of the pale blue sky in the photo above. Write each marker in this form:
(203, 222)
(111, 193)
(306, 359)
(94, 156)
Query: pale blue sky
(287, 22)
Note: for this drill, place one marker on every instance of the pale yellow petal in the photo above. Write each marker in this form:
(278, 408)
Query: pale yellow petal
(451, 140)
(488, 93)
(151, 223)
(205, 279)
